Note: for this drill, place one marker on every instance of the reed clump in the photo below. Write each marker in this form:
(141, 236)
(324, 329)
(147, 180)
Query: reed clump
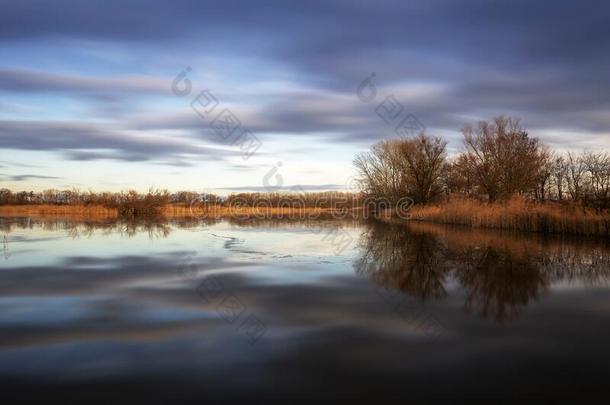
(518, 214)
(135, 205)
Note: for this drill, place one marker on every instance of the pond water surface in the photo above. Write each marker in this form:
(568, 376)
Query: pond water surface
(318, 309)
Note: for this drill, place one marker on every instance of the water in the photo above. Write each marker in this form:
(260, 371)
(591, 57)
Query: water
(190, 311)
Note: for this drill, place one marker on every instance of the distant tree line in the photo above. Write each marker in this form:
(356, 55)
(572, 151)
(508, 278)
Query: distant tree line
(132, 201)
(107, 199)
(499, 160)
(327, 199)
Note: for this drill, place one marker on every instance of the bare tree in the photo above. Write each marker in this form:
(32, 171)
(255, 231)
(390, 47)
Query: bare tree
(559, 174)
(544, 177)
(598, 182)
(501, 158)
(382, 172)
(576, 176)
(424, 158)
(457, 176)
(403, 168)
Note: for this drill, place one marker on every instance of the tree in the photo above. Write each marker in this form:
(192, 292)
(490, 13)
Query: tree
(544, 176)
(598, 181)
(6, 196)
(382, 173)
(501, 159)
(559, 173)
(576, 176)
(424, 158)
(403, 168)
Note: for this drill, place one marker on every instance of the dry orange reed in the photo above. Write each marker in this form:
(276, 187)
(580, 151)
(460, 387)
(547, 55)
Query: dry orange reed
(219, 211)
(517, 214)
(168, 211)
(64, 211)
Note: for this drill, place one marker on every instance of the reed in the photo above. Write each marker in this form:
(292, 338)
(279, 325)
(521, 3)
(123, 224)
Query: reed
(262, 212)
(63, 211)
(517, 214)
(169, 211)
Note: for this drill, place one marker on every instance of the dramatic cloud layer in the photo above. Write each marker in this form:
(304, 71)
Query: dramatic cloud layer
(92, 81)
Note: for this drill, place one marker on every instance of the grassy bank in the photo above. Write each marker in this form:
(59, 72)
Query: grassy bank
(519, 215)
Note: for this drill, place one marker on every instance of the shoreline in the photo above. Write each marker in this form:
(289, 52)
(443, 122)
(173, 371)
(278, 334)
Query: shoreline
(515, 215)
(174, 211)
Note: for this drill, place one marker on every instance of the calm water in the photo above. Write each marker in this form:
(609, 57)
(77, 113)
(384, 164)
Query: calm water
(188, 311)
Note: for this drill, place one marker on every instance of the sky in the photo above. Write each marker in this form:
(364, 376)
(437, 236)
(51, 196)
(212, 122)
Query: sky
(227, 96)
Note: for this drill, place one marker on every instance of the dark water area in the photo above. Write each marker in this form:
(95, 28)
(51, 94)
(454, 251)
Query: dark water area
(189, 311)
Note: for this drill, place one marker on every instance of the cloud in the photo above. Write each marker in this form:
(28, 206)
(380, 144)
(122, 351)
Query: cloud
(292, 70)
(25, 177)
(88, 141)
(17, 164)
(35, 81)
(336, 117)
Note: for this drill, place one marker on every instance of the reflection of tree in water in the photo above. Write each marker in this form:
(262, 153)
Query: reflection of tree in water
(499, 273)
(124, 228)
(499, 283)
(162, 228)
(85, 229)
(5, 251)
(409, 262)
